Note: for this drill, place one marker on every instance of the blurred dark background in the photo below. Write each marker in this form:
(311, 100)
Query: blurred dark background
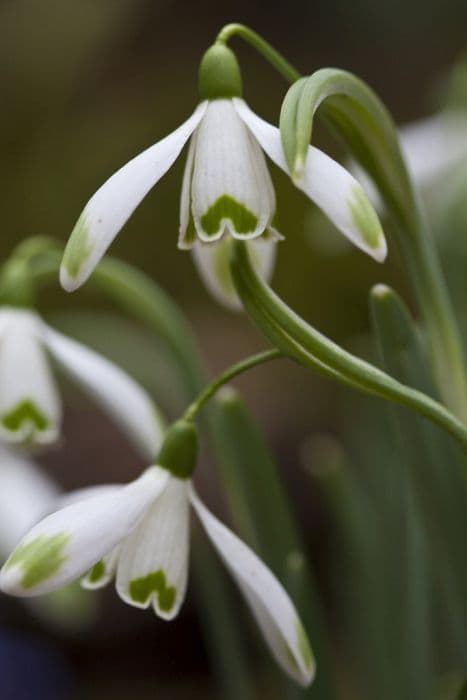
(84, 86)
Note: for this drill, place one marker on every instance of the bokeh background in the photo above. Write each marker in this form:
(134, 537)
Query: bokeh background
(84, 86)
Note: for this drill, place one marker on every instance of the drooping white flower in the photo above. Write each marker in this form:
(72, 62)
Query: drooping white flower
(139, 534)
(227, 189)
(30, 407)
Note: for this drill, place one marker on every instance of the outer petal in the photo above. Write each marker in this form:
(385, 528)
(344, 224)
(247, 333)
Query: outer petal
(153, 563)
(327, 184)
(231, 185)
(267, 599)
(112, 205)
(118, 394)
(68, 543)
(30, 409)
(26, 495)
(184, 242)
(212, 261)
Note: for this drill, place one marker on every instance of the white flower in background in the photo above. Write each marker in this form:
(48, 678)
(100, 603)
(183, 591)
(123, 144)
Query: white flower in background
(227, 189)
(27, 494)
(139, 533)
(30, 407)
(432, 147)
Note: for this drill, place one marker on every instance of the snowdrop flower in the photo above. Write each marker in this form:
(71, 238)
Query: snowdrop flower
(227, 189)
(139, 533)
(30, 407)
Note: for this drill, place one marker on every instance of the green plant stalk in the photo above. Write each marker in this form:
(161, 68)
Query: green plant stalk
(263, 47)
(362, 122)
(230, 373)
(257, 295)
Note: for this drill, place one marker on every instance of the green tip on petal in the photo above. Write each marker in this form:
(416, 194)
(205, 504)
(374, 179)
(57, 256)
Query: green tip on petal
(219, 74)
(77, 252)
(141, 590)
(97, 572)
(37, 560)
(366, 221)
(304, 647)
(179, 449)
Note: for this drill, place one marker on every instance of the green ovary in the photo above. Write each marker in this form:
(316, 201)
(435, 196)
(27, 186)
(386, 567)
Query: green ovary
(141, 589)
(25, 412)
(227, 208)
(39, 559)
(78, 248)
(364, 218)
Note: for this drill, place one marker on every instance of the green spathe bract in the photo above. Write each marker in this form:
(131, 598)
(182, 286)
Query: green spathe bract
(219, 74)
(226, 208)
(78, 248)
(179, 450)
(141, 589)
(40, 558)
(365, 219)
(25, 412)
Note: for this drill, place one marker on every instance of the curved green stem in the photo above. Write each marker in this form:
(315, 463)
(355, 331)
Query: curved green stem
(233, 371)
(362, 122)
(262, 46)
(255, 294)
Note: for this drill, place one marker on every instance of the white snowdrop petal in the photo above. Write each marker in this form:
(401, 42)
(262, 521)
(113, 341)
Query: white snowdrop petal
(266, 597)
(231, 186)
(330, 186)
(212, 262)
(68, 543)
(112, 205)
(112, 389)
(30, 409)
(153, 563)
(184, 242)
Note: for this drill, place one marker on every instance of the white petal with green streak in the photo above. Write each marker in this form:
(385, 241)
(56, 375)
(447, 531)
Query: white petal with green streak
(30, 408)
(153, 562)
(112, 205)
(328, 185)
(67, 544)
(266, 597)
